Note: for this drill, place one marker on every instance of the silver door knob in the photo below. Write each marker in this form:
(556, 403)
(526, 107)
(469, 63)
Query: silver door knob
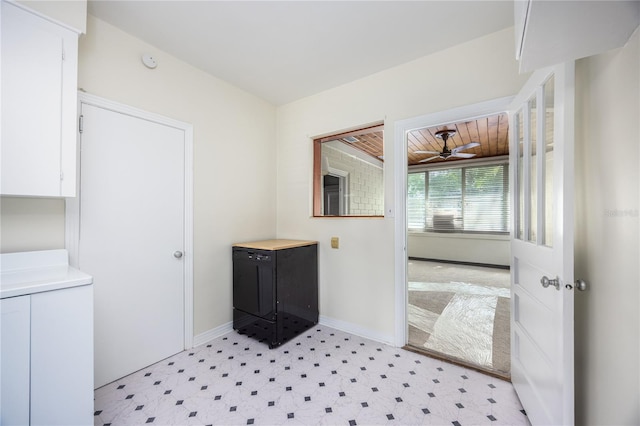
(546, 282)
(581, 285)
(177, 254)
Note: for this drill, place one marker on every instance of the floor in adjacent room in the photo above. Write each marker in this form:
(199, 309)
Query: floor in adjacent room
(323, 376)
(462, 313)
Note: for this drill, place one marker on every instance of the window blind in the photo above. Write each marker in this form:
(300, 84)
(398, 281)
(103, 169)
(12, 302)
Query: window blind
(464, 199)
(486, 201)
(444, 200)
(416, 212)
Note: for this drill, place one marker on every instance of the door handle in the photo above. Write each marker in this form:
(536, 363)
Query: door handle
(581, 285)
(546, 282)
(177, 254)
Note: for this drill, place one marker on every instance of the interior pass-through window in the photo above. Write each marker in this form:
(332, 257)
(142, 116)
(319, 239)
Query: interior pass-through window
(348, 178)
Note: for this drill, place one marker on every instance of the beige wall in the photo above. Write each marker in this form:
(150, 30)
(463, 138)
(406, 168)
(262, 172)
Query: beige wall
(31, 224)
(357, 280)
(234, 151)
(235, 194)
(72, 13)
(607, 237)
(234, 160)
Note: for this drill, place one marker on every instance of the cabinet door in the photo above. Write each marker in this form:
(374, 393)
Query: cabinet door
(253, 283)
(38, 57)
(62, 357)
(14, 373)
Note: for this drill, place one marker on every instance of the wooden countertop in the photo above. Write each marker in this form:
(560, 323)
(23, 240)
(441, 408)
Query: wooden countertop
(275, 244)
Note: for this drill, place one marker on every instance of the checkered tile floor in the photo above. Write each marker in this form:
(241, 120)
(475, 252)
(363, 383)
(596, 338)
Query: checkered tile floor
(322, 377)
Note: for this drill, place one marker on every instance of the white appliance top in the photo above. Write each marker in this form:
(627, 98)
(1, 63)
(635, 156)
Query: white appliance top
(37, 271)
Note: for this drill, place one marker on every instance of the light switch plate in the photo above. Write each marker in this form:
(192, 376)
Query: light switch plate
(335, 242)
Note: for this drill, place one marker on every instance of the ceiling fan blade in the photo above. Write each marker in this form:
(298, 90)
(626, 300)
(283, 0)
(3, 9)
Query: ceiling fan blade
(467, 146)
(462, 155)
(426, 152)
(428, 159)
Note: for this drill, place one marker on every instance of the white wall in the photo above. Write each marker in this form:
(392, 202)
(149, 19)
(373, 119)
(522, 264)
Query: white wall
(72, 13)
(488, 249)
(607, 237)
(357, 280)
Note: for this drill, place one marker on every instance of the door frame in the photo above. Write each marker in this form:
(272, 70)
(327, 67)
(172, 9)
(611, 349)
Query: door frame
(343, 179)
(72, 205)
(401, 128)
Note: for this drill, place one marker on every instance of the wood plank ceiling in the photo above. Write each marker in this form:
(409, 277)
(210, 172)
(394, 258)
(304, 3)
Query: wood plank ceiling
(491, 132)
(369, 140)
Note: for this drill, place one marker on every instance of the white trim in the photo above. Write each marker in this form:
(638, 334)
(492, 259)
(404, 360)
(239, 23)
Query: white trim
(356, 329)
(344, 185)
(345, 326)
(458, 164)
(86, 98)
(337, 172)
(401, 128)
(214, 333)
(72, 210)
(188, 236)
(27, 8)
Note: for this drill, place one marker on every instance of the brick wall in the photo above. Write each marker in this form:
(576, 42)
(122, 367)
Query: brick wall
(365, 192)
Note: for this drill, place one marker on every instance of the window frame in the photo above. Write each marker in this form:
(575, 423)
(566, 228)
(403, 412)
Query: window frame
(317, 207)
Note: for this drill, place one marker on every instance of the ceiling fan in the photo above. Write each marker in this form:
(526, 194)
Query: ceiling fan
(446, 152)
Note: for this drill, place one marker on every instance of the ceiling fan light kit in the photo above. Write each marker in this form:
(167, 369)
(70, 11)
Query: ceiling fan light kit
(447, 153)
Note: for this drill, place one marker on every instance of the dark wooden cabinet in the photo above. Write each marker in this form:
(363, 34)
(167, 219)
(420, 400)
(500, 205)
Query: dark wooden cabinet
(275, 289)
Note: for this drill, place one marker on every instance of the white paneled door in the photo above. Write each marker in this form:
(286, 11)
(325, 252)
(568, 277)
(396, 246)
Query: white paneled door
(541, 158)
(131, 238)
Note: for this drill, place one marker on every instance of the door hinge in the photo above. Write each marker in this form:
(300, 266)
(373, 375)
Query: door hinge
(61, 176)
(80, 123)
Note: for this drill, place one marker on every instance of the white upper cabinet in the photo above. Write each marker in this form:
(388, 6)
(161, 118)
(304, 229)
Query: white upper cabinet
(553, 32)
(39, 83)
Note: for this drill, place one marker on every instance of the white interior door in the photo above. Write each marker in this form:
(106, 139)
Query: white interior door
(542, 246)
(131, 238)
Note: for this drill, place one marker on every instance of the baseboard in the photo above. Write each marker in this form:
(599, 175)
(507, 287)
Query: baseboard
(356, 329)
(345, 326)
(214, 333)
(462, 262)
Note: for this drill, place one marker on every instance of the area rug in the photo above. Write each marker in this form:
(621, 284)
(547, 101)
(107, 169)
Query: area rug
(462, 321)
